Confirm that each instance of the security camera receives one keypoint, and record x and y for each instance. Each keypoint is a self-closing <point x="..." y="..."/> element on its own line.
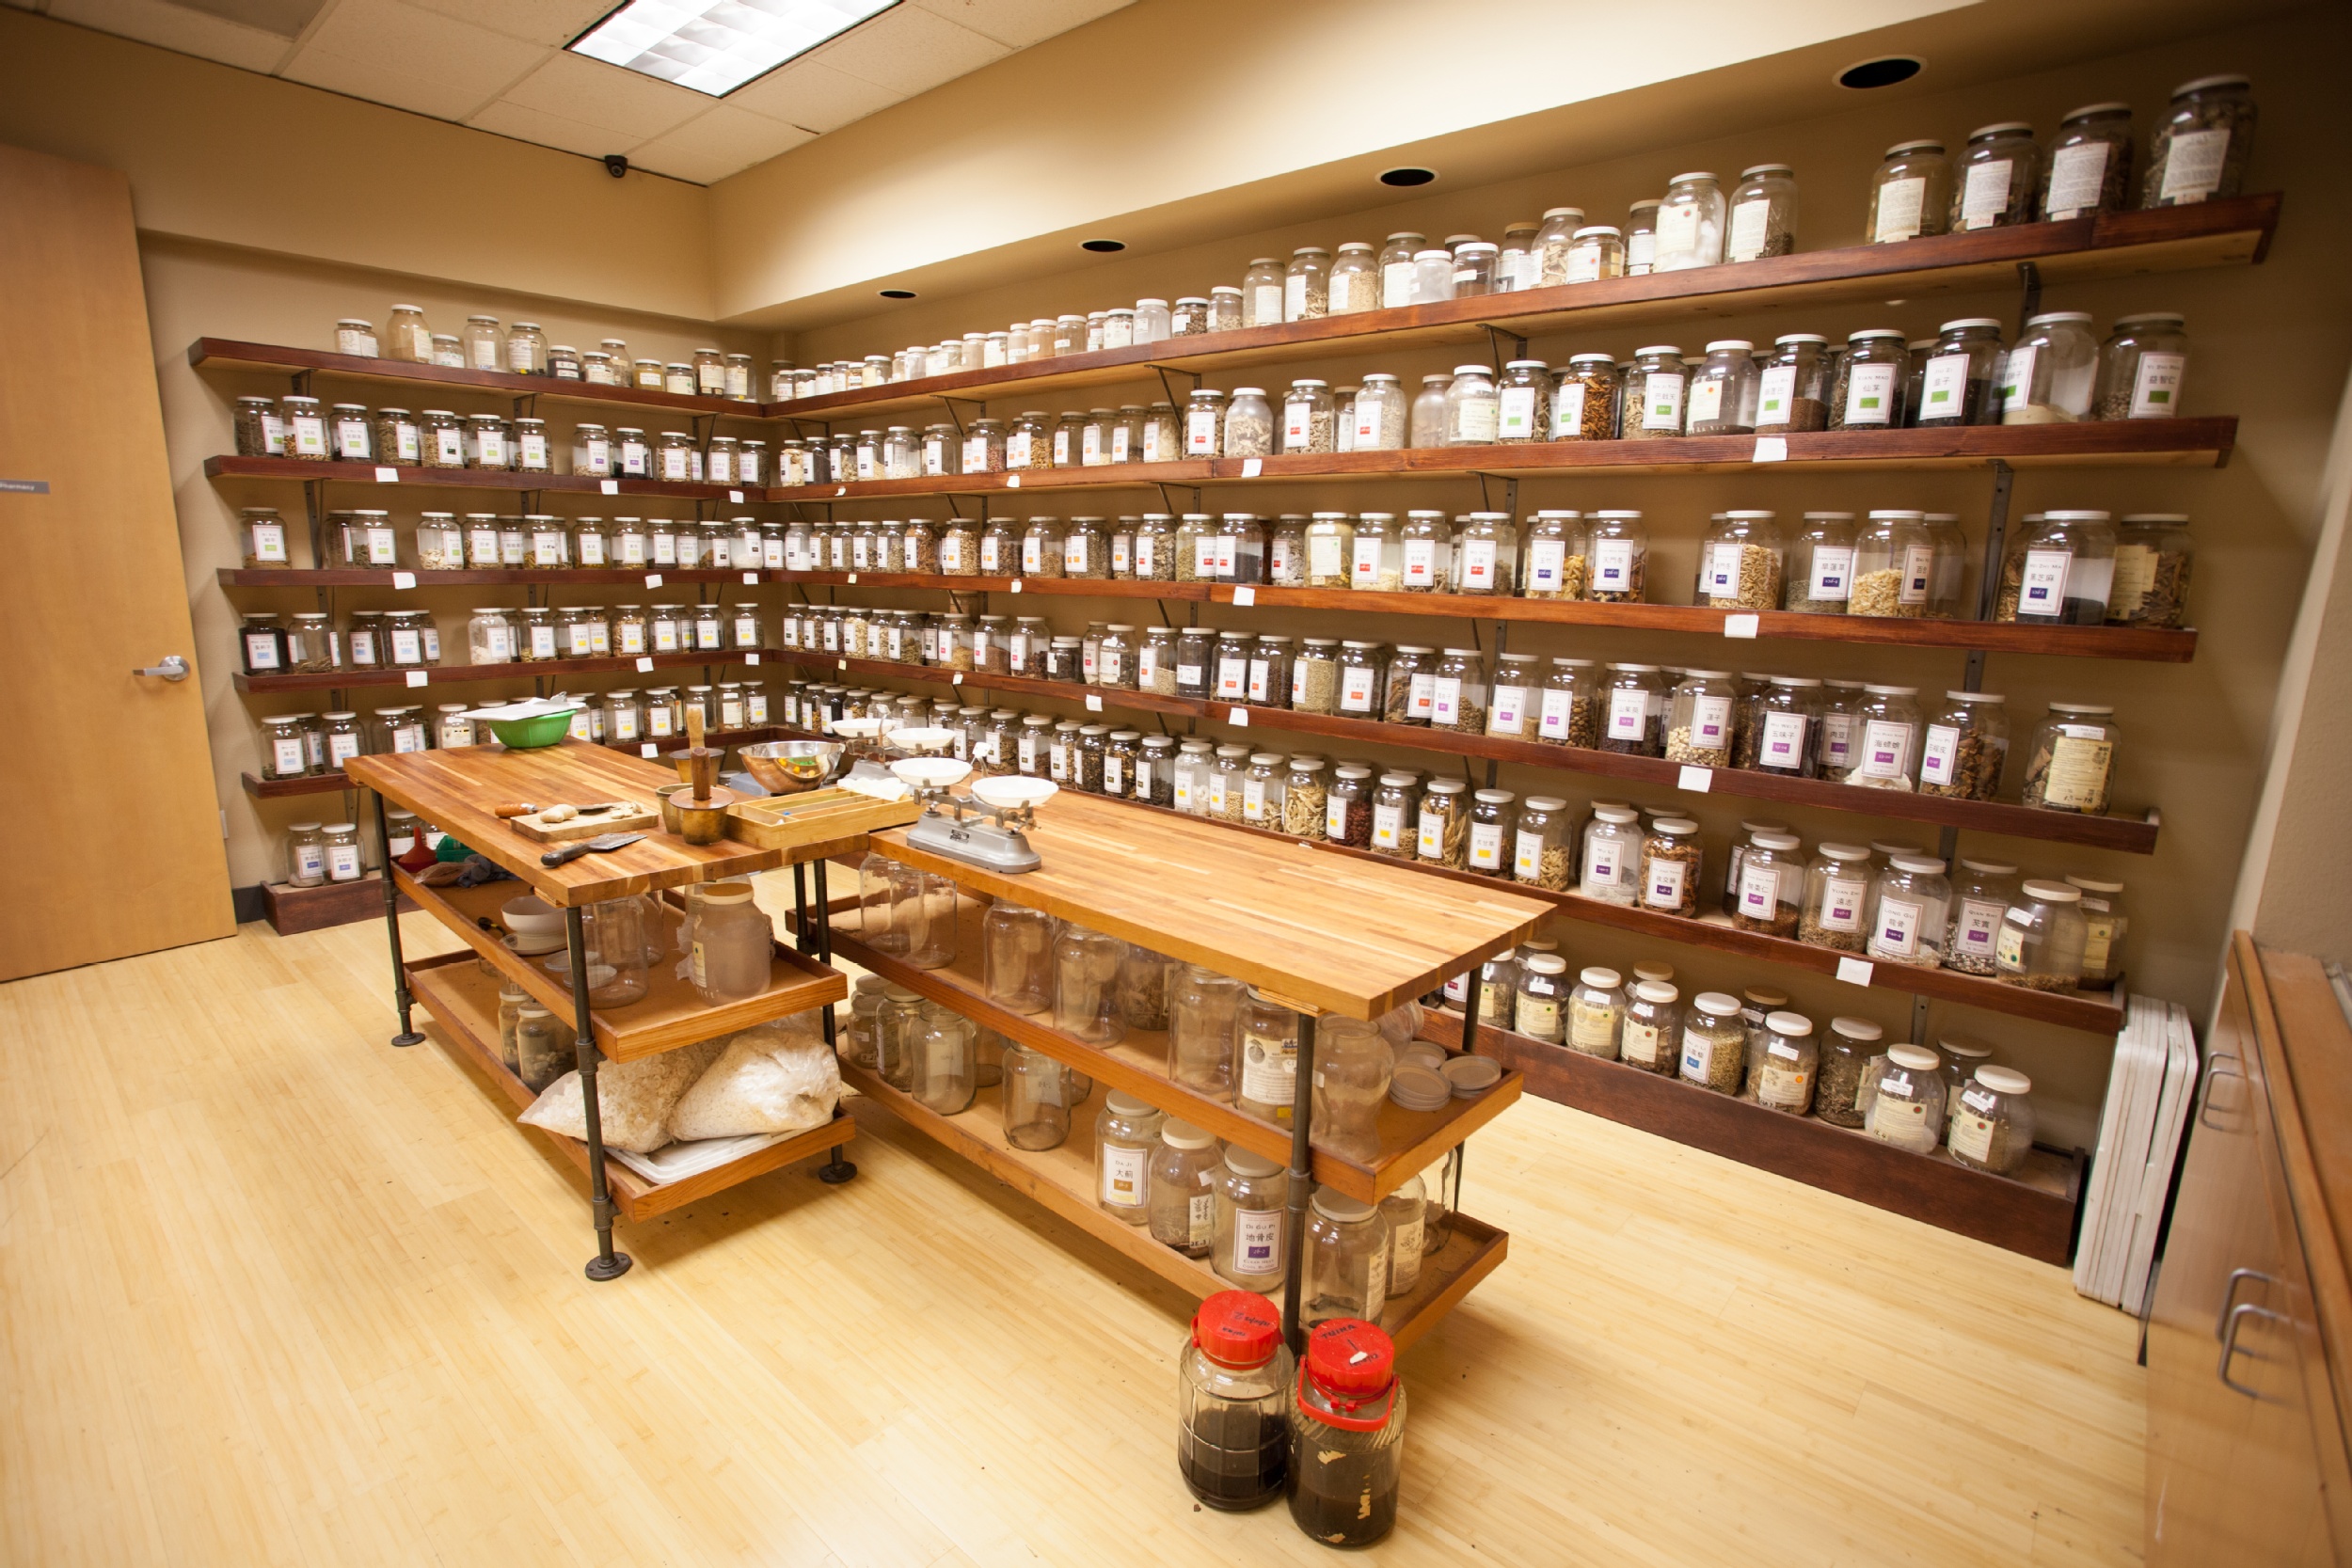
<point x="615" y="164"/>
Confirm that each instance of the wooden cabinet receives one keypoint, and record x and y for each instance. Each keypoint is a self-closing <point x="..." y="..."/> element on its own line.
<point x="2246" y="1347"/>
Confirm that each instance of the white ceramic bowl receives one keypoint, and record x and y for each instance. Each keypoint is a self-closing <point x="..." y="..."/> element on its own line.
<point x="1008" y="791"/>
<point x="931" y="772"/>
<point x="529" y="916"/>
<point x="929" y="740"/>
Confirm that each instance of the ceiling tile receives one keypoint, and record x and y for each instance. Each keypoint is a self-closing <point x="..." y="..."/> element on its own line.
<point x="632" y="107"/>
<point x="170" y="26"/>
<point x="553" y="23"/>
<point x="394" y="53"/>
<point x="1018" y="24"/>
<point x="812" y="95"/>
<point x="723" y="142"/>
<point x="908" y="49"/>
<point x="533" y="125"/>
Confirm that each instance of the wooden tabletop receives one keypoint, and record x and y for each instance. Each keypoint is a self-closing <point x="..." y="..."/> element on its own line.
<point x="457" y="789"/>
<point x="1332" y="932"/>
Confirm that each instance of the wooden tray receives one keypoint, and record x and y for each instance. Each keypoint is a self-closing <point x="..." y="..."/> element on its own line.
<point x="643" y="818"/>
<point x="820" y="821"/>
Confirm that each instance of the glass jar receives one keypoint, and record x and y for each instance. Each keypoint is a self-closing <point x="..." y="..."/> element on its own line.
<point x="1376" y="554"/>
<point x="1539" y="1008"/>
<point x="1617" y="544"/>
<point x="1472" y="407"/>
<point x="2199" y="149"/>
<point x="1398" y="269"/>
<point x="1395" y="816"/>
<point x="1035" y="1098"/>
<point x="1771" y="885"/>
<point x="1901" y="1099"/>
<point x="1017" y="956"/>
<point x="2049" y="375"/>
<point x="1515" y="703"/>
<point x="2149" y="586"/>
<point x="1910" y="903"/>
<point x="941" y="1060"/>
<point x="1699" y="718"/>
<point x="1584" y="400"/>
<point x="1522" y="403"/>
<point x="1998" y="178"/>
<point x="1265" y="1042"/>
<point x="1689" y="224"/>
<point x="1661" y="379"/>
<point x="2089" y="167"/>
<point x="1723" y="390"/>
<point x="1249" y="429"/>
<point x="1894" y="566"/>
<point x="1981" y="893"/>
<point x="2042" y="938"/>
<point x="1714" y="1045"/>
<point x="1086" y="985"/>
<point x="1867" y="390"/>
<point x="1345" y="1265"/>
<point x="1126" y="1134"/>
<point x="1596" y="1009"/>
<point x="1248" y="1246"/>
<point x="1910" y="192"/>
<point x="1885" y="739"/>
<point x="1548" y="251"/>
<point x="1442" y="825"/>
<point x="2141" y="366"/>
<point x="1783" y="1063"/>
<point x="1307" y="285"/>
<point x="1556" y="555"/>
<point x="1611" y="860"/>
<point x="1354" y="1063"/>
<point x="1965" y="746"/>
<point x="1539" y="853"/>
<point x="1262" y="784"/>
<point x="2059" y="571"/>
<point x="1634" y="700"/>
<point x="1671" y="867"/>
<point x="1960" y="385"/>
<point x="1492" y="816"/>
<point x="1763" y="217"/>
<point x="1458" y="696"/>
<point x="1740" y="563"/>
<point x="1821" y="566"/>
<point x="1794" y="385"/>
<point x="1426" y="420"/>
<point x="2105" y="927"/>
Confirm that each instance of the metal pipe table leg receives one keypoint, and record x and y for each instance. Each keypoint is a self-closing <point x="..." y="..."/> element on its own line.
<point x="607" y="1263"/>
<point x="835" y="1170"/>
<point x="409" y="1034"/>
<point x="1302" y="1178"/>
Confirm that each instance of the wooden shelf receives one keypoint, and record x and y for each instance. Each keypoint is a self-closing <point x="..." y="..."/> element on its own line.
<point x="2132" y="642"/>
<point x="670" y="1014"/>
<point x="466" y="674"/>
<point x="2130" y="443"/>
<point x="2109" y="244"/>
<point x="230" y="467"/>
<point x="292" y="910"/>
<point x="1410" y="1141"/>
<point x="279" y="790"/>
<point x="2129" y="835"/>
<point x="463" y="1003"/>
<point x="1063" y="1181"/>
<point x="362" y="577"/>
<point x="2033" y="1213"/>
<point x="230" y="354"/>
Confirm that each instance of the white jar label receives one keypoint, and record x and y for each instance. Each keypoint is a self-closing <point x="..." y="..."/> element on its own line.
<point x="1445" y="706"/>
<point x="1335" y="816"/>
<point x="1613" y="566"/>
<point x="1897" y="928"/>
<point x="1760" y="892"/>
<point x="1985" y="193"/>
<point x="2077" y="174"/>
<point x="1777" y="390"/>
<point x="1698" y="1056"/>
<point x="1430" y="840"/>
<point x="1919" y="574"/>
<point x="309" y="861"/>
<point x="1421" y="562"/>
<point x="1870" y="394"/>
<point x="268" y="542"/>
<point x="2192" y="165"/>
<point x="1677" y="229"/>
<point x="1486" y="847"/>
<point x="1297" y="426"/>
<point x="1506" y="710"/>
<point x="2156" y="386"/>
<point x="1199" y="1217"/>
<point x="342" y="863"/>
<point x="1707" y="400"/>
<point x="1977" y="925"/>
<point x="1232" y="679"/>
<point x="1971" y="1135"/>
<point x="290" y="757"/>
<point x="1515" y="419"/>
<point x="1257" y="1242"/>
<point x="1552" y="721"/>
<point x="1388" y="827"/>
<point x="1396" y="285"/>
<point x="1833" y="572"/>
<point x="1640" y="1042"/>
<point x="1357" y="683"/>
<point x="341" y="749"/>
<point x="1629" y="713"/>
<point x="2042" y="589"/>
<point x="1885" y="748"/>
<point x="1584" y="263"/>
<point x="1937" y="755"/>
<point x="1601" y="862"/>
<point x="449" y="449"/>
<point x="1123" y="1176"/>
<point x="1723" y="570"/>
<point x="1663" y="882"/>
<point x="1567" y="412"/>
<point x="1900" y="203"/>
<point x="306" y="436"/>
<point x="1421" y="697"/>
<point x="1266" y="303"/>
<point x="1545" y="558"/>
<point x="1527" y="857"/>
<point x="1711" y="723"/>
<point x="1782" y="743"/>
<point x="1841" y="903"/>
<point x="1661" y="400"/>
<point x="1366" y="571"/>
<point x="1944" y="390"/>
<point x="350" y="439"/>
<point x="2017" y="378"/>
<point x="1748" y="230"/>
<point x="1783" y="1088"/>
<point x="1837" y="739"/>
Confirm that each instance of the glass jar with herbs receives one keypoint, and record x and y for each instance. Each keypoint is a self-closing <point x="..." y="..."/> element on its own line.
<point x="1699" y="718"/>
<point x="2141" y="367"/>
<point x="2049" y="374"/>
<point x="1610" y="861"/>
<point x="1982" y="892"/>
<point x="2199" y="149"/>
<point x="1740" y="563"/>
<point x="1794" y="385"/>
<point x="1540" y="854"/>
<point x="1443" y="827"/>
<point x="1585" y="402"/>
<point x="1347" y="806"/>
<point x="1396" y="816"/>
<point x="2150" y="582"/>
<point x="1724" y="389"/>
<point x="1555" y="556"/>
<point x="1777" y="732"/>
<point x="1660" y="379"/>
<point x="1783" y="1065"/>
<point x="1596" y="1007"/>
<point x="2070" y="759"/>
<point x="1714" y="1050"/>
<point x="1867" y="390"/>
<point x="1910" y="903"/>
<point x="1965" y="746"/>
<point x="1821" y="566"/>
<point x="1960" y="385"/>
<point x="1845" y="1053"/>
<point x="1886" y="737"/>
<point x="1671" y="861"/>
<point x="1540" y="1005"/>
<point x="1910" y="192"/>
<point x="1618" y="543"/>
<point x="1763" y="217"/>
<point x="1459" y="697"/>
<point x="1901" y="1099"/>
<point x="1511" y="702"/>
<point x="1998" y="178"/>
<point x="1633" y="699"/>
<point x="1771" y="888"/>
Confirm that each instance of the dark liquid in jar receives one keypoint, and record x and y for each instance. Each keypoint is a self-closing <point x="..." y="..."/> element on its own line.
<point x="1234" y="1457"/>
<point x="1335" y="1503"/>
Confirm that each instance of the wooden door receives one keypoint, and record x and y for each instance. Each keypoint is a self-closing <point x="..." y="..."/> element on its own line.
<point x="113" y="842"/>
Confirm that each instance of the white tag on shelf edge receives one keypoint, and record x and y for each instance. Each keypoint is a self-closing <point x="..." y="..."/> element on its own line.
<point x="1013" y="482"/>
<point x="751" y="580"/>
<point x="1771" y="449"/>
<point x="1742" y="624"/>
<point x="735" y="497"/>
<point x="653" y="579"/>
<point x="1237" y="716"/>
<point x="1016" y="585"/>
<point x="1095" y="704"/>
<point x="611" y="486"/>
<point x="404" y="579"/>
<point x="387" y="476"/>
<point x="958" y="679"/>
<point x="1252" y="466"/>
<point x="852" y="577"/>
<point x="1699" y="779"/>
<point x="649" y="749"/>
<point x="1244" y="596"/>
<point x="841" y="664"/>
<point x="748" y="659"/>
<point x="839" y="490"/>
<point x="644" y="665"/>
<point x="417" y="677"/>
<point x="1854" y="972"/>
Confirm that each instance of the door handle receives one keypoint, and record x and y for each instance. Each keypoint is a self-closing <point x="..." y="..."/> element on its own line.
<point x="2204" y="1099"/>
<point x="171" y="667"/>
<point x="2228" y="1343"/>
<point x="2229" y="1296"/>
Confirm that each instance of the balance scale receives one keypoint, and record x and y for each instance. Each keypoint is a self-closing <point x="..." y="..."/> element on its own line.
<point x="997" y="842"/>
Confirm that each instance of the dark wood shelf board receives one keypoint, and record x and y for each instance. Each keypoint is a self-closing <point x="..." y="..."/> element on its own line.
<point x="279" y="790"/>
<point x="461" y="675"/>
<point x="2120" y="443"/>
<point x="2129" y="835"/>
<point x="2109" y="244"/>
<point x="230" y="354"/>
<point x="231" y="467"/>
<point x="2036" y="1216"/>
<point x="516" y="577"/>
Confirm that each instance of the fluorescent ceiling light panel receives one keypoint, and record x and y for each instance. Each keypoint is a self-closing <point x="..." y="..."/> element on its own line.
<point x="715" y="46"/>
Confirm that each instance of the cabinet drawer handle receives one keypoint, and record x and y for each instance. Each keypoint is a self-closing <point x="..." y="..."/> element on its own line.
<point x="2205" y="1100"/>
<point x="2228" y="1297"/>
<point x="2228" y="1343"/>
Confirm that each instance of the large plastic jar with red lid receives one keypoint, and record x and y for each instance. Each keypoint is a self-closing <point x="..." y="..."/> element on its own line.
<point x="1232" y="1388"/>
<point x="1347" y="1435"/>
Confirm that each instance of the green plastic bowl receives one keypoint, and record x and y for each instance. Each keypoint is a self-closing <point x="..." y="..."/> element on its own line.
<point x="523" y="735"/>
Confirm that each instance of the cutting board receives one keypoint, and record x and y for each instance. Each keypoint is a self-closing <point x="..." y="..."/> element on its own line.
<point x="637" y="819"/>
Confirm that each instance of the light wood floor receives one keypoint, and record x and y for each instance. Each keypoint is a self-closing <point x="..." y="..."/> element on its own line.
<point x="274" y="1292"/>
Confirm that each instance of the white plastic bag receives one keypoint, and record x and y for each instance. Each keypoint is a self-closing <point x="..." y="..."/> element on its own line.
<point x="776" y="1077"/>
<point x="633" y="1099"/>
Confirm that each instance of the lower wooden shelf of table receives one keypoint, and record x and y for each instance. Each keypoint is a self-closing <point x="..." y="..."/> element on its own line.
<point x="1063" y="1179"/>
<point x="292" y="910"/>
<point x="463" y="1003"/>
<point x="668" y="1016"/>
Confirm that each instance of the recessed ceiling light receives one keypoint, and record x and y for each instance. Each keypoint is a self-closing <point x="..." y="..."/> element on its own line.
<point x="897" y="294"/>
<point x="715" y="46"/>
<point x="1882" y="72"/>
<point x="1103" y="247"/>
<point x="1408" y="176"/>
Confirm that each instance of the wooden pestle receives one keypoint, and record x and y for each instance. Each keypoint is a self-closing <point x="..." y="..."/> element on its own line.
<point x="703" y="762"/>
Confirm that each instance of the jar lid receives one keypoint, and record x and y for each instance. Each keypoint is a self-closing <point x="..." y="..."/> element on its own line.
<point x="2175" y="519"/>
<point x="2052" y="892"/>
<point x="1796" y="680"/>
<point x="1236" y="1328"/>
<point x="1858" y="1029"/>
<point x="527" y="1010"/>
<point x="1989" y="869"/>
<point x="1616" y="813"/>
<point x="302" y="828"/>
<point x="1433" y="255"/>
<point x="1460" y="370"/>
<point x="2203" y="83"/>
<point x="1900" y="147"/>
<point x="1233" y="751"/>
<point x="1731" y="345"/>
<point x="1472" y="1076"/>
<point x="1918" y="866"/>
<point x="2113" y="106"/>
<point x="1966" y="1046"/>
<point x="1334" y="1204"/>
<point x="1418" y="1087"/>
<point x="2006" y="127"/>
<point x="1708" y="674"/>
<point x="1891" y="690"/>
<point x="1973" y="696"/>
<point x="2172" y="316"/>
<point x="1790" y="1025"/>
<point x="740" y="893"/>
<point x="1224" y="289"/>
<point x="1874" y="332"/>
<point x="2003" y="1080"/>
<point x="2088" y="885"/>
<point x="1652" y="969"/>
<point x="1717" y="1003"/>
<point x="1548" y="963"/>
<point x="1774" y="841"/>
<point x="1350" y="1357"/>
<point x="1482" y="246"/>
<point x="1918" y="1059"/>
<point x="1699" y="175"/>
<point x="1674" y="827"/>
<point x="1265" y="759"/>
<point x="1351" y="771"/>
<point x="1656" y="992"/>
<point x="1244" y="1161"/>
<point x="1755" y="169"/>
<point x="1121" y="1103"/>
<point x="1397" y="781"/>
<point x="2057" y="316"/>
<point x="1599" y="978"/>
<point x="1447" y="786"/>
<point x="1305" y="764"/>
<point x="2089" y="709"/>
<point x="1597" y="228"/>
<point x="1764" y="999"/>
<point x="1658" y="348"/>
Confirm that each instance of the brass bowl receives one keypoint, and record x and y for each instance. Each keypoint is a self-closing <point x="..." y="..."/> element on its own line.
<point x="793" y="766"/>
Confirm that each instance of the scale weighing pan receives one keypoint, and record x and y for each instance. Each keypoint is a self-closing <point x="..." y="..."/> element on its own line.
<point x="1013" y="791"/>
<point x="922" y="773"/>
<point x="927" y="739"/>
